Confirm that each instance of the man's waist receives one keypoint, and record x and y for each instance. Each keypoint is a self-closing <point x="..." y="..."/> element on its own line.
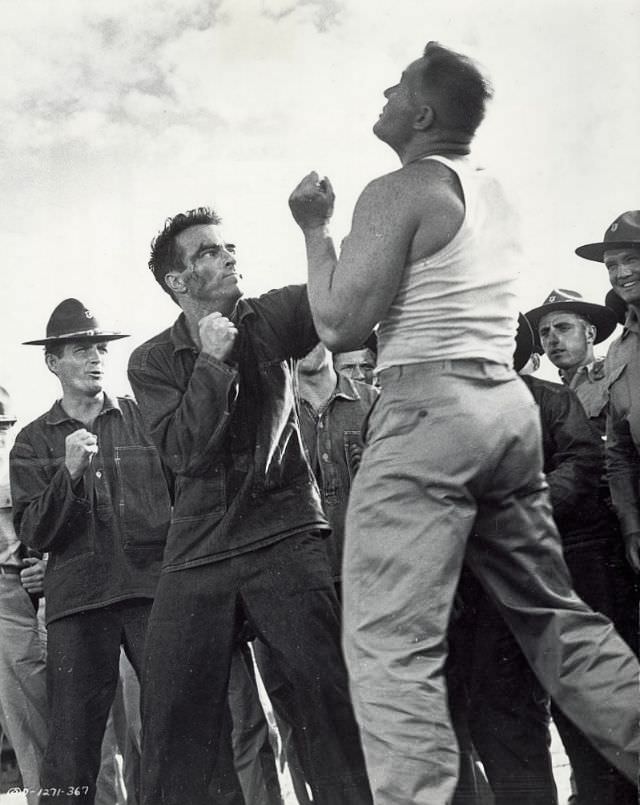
<point x="470" y="367"/>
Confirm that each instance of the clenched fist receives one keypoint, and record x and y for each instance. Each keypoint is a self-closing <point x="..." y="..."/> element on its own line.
<point x="217" y="335"/>
<point x="80" y="447"/>
<point x="311" y="203"/>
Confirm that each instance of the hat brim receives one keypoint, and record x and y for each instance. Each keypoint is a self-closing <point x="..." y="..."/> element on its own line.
<point x="94" y="337"/>
<point x="595" y="251"/>
<point x="603" y="318"/>
<point x="10" y="420"/>
<point x="524" y="343"/>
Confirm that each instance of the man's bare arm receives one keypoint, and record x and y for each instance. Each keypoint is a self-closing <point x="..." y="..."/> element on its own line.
<point x="398" y="218"/>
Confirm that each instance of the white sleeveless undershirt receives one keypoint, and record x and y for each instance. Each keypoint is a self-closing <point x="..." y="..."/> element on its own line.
<point x="461" y="302"/>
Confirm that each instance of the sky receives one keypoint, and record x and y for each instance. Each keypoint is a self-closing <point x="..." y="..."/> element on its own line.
<point x="117" y="115"/>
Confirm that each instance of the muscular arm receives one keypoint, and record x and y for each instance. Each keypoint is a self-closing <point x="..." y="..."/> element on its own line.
<point x="401" y="217"/>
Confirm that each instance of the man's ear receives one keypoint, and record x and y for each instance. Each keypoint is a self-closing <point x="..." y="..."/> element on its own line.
<point x="425" y="118"/>
<point x="175" y="282"/>
<point x="52" y="362"/>
<point x="591" y="332"/>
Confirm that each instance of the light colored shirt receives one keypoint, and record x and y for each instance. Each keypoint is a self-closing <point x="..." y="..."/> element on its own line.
<point x="461" y="302"/>
<point x="623" y="424"/>
<point x="9" y="543"/>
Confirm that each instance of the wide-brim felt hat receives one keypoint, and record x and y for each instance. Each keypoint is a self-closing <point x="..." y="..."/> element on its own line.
<point x="602" y="317"/>
<point x="623" y="233"/>
<point x="525" y="343"/>
<point x="72" y="321"/>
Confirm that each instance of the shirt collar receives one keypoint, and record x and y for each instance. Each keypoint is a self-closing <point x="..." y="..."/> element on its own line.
<point x="181" y="337"/>
<point x="631" y="324"/>
<point x="593" y="371"/>
<point x="57" y="414"/>
<point x="345" y="387"/>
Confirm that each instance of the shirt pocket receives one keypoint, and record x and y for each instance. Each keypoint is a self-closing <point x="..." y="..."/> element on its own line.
<point x="144" y="504"/>
<point x="200" y="497"/>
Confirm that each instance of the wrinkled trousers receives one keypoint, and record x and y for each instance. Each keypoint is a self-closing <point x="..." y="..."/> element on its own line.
<point x="455" y="447"/>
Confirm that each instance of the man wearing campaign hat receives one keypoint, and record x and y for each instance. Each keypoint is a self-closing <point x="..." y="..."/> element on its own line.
<point x="567" y="328"/>
<point x="619" y="250"/>
<point x="88" y="488"/>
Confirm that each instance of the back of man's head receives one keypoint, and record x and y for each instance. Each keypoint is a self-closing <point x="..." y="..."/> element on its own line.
<point x="164" y="256"/>
<point x="461" y="89"/>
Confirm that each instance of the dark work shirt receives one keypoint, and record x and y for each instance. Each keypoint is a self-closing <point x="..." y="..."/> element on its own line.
<point x="105" y="535"/>
<point x="229" y="431"/>
<point x="572" y="462"/>
<point x="333" y="441"/>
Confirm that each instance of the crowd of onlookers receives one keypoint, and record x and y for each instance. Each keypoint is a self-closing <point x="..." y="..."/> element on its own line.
<point x="421" y="554"/>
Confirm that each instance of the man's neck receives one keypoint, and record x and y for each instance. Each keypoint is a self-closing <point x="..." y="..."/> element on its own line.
<point x="444" y="144"/>
<point x="84" y="409"/>
<point x="317" y="388"/>
<point x="569" y="374"/>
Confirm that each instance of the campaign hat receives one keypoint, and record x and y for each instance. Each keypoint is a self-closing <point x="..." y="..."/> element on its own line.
<point x="73" y="321"/>
<point x="601" y="316"/>
<point x="525" y="343"/>
<point x="623" y="233"/>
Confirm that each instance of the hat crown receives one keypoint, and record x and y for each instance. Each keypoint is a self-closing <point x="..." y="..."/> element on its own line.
<point x="559" y="295"/>
<point x="626" y="227"/>
<point x="71" y="317"/>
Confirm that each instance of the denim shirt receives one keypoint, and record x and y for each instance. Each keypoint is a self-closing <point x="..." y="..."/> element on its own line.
<point x="229" y="431"/>
<point x="105" y="535"/>
<point x="333" y="441"/>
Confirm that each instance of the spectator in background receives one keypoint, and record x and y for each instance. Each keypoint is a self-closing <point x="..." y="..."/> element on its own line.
<point x="332" y="408"/>
<point x="23" y="690"/>
<point x="358" y="364"/>
<point x="89" y="489"/>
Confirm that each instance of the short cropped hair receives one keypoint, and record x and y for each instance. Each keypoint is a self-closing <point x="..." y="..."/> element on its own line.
<point x="462" y="88"/>
<point x="164" y="257"/>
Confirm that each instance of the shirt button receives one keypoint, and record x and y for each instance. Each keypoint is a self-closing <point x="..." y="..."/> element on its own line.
<point x="325" y="456"/>
<point x="321" y="425"/>
<point x="98" y="474"/>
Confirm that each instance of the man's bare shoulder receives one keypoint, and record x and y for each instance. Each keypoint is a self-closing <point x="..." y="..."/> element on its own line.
<point x="428" y="180"/>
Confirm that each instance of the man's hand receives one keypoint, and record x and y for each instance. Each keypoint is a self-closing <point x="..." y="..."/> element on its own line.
<point x="311" y="203"/>
<point x="632" y="546"/>
<point x="32" y="577"/>
<point x="217" y="335"/>
<point x="80" y="447"/>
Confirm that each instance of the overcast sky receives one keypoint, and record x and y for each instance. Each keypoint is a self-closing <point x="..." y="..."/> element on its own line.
<point x="118" y="114"/>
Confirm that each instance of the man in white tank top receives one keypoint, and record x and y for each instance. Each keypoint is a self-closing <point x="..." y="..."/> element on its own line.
<point x="453" y="464"/>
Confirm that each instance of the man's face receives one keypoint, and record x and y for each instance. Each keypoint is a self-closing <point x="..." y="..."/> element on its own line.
<point x="80" y="368"/>
<point x="356" y="365"/>
<point x="623" y="266"/>
<point x="210" y="273"/>
<point x="566" y="339"/>
<point x="395" y="124"/>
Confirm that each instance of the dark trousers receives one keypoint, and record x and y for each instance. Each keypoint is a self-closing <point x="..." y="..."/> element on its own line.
<point x="286" y="594"/>
<point x="602" y="578"/>
<point x="83" y="659"/>
<point x="496" y="700"/>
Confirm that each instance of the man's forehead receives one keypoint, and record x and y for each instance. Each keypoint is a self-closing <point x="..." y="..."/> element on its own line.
<point x="193" y="237"/>
<point x="354" y="358"/>
<point x="558" y="316"/>
<point x="616" y="254"/>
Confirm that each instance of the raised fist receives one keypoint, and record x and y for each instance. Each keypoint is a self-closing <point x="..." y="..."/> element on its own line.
<point x="80" y="447"/>
<point x="311" y="203"/>
<point x="217" y="335"/>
